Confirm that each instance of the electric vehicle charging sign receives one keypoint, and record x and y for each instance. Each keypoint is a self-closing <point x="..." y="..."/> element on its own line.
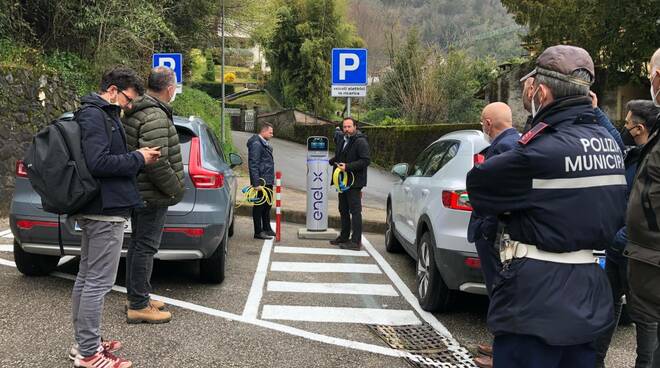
<point x="349" y="72"/>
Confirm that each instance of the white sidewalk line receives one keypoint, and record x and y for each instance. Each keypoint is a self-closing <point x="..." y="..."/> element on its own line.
<point x="332" y="288"/>
<point x="403" y="289"/>
<point x="322" y="267"/>
<point x="321" y="251"/>
<point x="6" y="247"/>
<point x="256" y="291"/>
<point x="388" y="317"/>
<point x="5" y="232"/>
<point x="5" y="262"/>
<point x="8" y="236"/>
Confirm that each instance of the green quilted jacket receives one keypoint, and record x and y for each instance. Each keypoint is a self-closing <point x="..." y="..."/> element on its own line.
<point x="149" y="124"/>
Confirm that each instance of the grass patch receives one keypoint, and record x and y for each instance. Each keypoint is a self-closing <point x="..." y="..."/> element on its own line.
<point x="263" y="100"/>
<point x="198" y="103"/>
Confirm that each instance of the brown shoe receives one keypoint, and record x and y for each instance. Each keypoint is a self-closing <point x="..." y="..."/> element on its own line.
<point x="484" y="361"/>
<point x="485" y="349"/>
<point x="147" y="315"/>
<point x="350" y="245"/>
<point x="154" y="303"/>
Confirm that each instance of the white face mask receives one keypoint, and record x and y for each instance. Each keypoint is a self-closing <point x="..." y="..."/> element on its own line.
<point x="534" y="109"/>
<point x="654" y="93"/>
<point x="173" y="97"/>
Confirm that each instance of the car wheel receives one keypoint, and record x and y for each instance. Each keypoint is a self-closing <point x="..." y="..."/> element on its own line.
<point x="33" y="264"/>
<point x="392" y="244"/>
<point x="212" y="269"/>
<point x="432" y="292"/>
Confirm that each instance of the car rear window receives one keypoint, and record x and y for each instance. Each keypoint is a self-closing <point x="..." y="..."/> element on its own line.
<point x="184" y="141"/>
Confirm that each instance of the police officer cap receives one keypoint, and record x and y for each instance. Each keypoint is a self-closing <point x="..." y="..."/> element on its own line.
<point x="562" y="60"/>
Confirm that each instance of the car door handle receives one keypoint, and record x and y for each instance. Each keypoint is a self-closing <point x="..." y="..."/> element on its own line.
<point x="425" y="192"/>
<point x="406" y="189"/>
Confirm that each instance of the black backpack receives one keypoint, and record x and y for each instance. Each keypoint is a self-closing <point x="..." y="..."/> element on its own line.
<point x="56" y="166"/>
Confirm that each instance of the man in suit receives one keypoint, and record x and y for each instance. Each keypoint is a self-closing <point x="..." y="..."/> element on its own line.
<point x="262" y="172"/>
<point x="351" y="157"/>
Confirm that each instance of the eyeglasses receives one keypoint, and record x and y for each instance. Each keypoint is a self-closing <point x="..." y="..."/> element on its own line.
<point x="130" y="100"/>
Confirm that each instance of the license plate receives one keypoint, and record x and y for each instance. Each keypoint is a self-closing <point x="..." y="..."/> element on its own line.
<point x="601" y="262"/>
<point x="127" y="227"/>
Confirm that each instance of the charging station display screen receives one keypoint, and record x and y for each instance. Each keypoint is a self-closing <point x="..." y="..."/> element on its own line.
<point x="317" y="144"/>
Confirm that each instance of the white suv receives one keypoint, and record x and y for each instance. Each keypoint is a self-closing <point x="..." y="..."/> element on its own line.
<point x="428" y="213"/>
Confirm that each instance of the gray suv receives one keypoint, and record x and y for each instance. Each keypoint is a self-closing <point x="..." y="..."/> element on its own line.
<point x="197" y="228"/>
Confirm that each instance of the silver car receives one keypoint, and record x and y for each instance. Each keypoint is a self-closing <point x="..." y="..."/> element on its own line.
<point x="428" y="213"/>
<point x="197" y="228"/>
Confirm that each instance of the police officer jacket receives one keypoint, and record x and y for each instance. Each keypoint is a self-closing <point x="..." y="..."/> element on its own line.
<point x="562" y="189"/>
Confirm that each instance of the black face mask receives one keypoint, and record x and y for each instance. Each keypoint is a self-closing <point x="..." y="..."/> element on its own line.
<point x="627" y="138"/>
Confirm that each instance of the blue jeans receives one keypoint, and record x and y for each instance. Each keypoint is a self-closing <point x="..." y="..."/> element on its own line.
<point x="147" y="224"/>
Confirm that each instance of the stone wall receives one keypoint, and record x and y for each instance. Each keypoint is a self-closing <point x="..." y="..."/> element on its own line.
<point x="29" y="100"/>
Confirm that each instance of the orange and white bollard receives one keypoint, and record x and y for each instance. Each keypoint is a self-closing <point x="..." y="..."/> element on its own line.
<point x="278" y="205"/>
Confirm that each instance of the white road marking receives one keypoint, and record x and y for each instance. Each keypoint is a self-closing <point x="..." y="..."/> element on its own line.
<point x="321" y="251"/>
<point x="403" y="289"/>
<point x="6" y="247"/>
<point x="5" y="232"/>
<point x="8" y="236"/>
<point x="256" y="291"/>
<point x="332" y="288"/>
<point x="322" y="267"/>
<point x="453" y="346"/>
<point x="340" y="315"/>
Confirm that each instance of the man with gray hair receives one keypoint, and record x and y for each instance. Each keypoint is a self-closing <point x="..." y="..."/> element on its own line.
<point x="149" y="124"/>
<point x="559" y="195"/>
<point x="643" y="224"/>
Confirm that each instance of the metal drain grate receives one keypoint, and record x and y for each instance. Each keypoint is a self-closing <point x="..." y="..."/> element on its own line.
<point x="426" y="347"/>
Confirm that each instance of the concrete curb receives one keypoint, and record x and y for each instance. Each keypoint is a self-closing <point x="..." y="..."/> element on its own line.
<point x="299" y="217"/>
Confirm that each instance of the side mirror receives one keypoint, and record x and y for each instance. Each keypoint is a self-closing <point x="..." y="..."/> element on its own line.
<point x="235" y="160"/>
<point x="400" y="170"/>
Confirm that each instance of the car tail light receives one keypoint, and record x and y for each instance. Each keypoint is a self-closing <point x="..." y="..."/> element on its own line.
<point x="21" y="171"/>
<point x="29" y="224"/>
<point x="201" y="177"/>
<point x="456" y="200"/>
<point x="479" y="159"/>
<point x="473" y="262"/>
<point x="193" y="232"/>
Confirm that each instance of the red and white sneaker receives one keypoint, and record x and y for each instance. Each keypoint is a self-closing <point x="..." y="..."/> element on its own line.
<point x="107" y="345"/>
<point x="102" y="359"/>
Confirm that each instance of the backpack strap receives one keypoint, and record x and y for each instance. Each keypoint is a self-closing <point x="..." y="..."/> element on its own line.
<point x="108" y="127"/>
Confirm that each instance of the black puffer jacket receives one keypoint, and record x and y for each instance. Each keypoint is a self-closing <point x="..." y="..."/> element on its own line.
<point x="356" y="157"/>
<point x="149" y="124"/>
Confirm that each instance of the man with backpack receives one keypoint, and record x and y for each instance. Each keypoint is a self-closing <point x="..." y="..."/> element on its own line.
<point x="148" y="123"/>
<point x="103" y="218"/>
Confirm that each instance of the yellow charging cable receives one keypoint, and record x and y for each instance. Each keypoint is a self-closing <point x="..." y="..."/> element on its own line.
<point x="340" y="180"/>
<point x="251" y="195"/>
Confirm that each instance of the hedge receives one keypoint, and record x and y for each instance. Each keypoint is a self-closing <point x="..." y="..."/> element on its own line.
<point x="213" y="89"/>
<point x="389" y="144"/>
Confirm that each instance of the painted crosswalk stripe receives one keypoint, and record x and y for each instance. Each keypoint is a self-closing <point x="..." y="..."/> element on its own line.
<point x="6" y="248"/>
<point x="331" y="288"/>
<point x="340" y="315"/>
<point x="320" y="267"/>
<point x="5" y="232"/>
<point x="8" y="236"/>
<point x="321" y="251"/>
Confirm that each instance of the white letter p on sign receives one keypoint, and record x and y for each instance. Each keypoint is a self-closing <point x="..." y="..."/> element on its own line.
<point x="343" y="67"/>
<point x="167" y="62"/>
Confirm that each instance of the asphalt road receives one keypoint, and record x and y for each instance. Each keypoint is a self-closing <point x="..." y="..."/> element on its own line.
<point x="252" y="319"/>
<point x="290" y="159"/>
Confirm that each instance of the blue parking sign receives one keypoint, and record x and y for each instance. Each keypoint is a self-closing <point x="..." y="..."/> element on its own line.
<point x="172" y="61"/>
<point x="349" y="67"/>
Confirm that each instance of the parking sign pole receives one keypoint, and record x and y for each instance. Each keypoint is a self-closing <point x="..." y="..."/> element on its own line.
<point x="348" y="106"/>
